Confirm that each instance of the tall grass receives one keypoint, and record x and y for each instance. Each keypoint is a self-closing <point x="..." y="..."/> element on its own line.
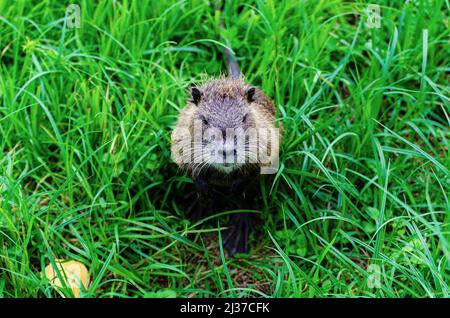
<point x="362" y="193"/>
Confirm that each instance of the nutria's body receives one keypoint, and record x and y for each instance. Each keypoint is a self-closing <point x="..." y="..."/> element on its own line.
<point x="224" y="103"/>
<point x="219" y="106"/>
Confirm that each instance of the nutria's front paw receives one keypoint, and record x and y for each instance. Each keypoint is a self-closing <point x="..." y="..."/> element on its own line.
<point x="196" y="211"/>
<point x="195" y="214"/>
<point x="235" y="239"/>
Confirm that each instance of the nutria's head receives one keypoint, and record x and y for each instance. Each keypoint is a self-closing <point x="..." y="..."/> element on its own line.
<point x="223" y="107"/>
<point x="223" y="110"/>
<point x="221" y="115"/>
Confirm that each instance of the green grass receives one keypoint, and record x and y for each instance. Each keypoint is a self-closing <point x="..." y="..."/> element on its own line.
<point x="86" y="173"/>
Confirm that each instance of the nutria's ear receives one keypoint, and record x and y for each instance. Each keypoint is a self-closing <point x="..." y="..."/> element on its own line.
<point x="250" y="93"/>
<point x="196" y="95"/>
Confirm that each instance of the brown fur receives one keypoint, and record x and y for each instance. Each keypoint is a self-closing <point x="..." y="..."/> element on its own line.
<point x="262" y="110"/>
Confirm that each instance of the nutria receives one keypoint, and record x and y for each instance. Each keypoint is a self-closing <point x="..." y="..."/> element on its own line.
<point x="217" y="140"/>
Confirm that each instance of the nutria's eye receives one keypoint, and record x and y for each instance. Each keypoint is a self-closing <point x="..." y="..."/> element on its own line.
<point x="196" y="95"/>
<point x="245" y="118"/>
<point x="250" y="94"/>
<point x="205" y="121"/>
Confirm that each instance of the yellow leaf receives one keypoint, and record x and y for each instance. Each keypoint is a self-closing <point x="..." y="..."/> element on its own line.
<point x="74" y="273"/>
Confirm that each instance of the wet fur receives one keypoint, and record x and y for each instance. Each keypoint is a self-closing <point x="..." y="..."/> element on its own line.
<point x="262" y="110"/>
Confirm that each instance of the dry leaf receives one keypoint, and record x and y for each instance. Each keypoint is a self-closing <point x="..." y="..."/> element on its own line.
<point x="74" y="273"/>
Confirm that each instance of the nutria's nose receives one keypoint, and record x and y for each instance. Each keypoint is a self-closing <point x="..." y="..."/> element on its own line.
<point x="229" y="153"/>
